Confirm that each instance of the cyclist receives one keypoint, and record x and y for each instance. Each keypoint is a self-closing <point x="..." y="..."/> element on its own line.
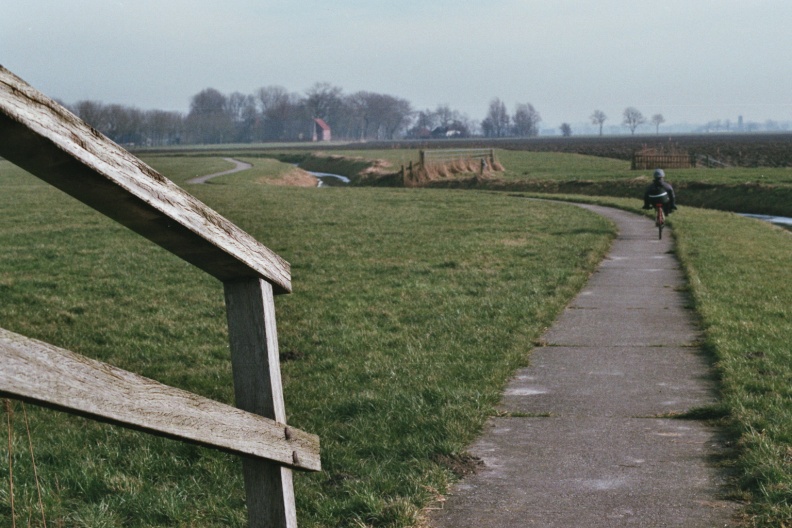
<point x="660" y="192"/>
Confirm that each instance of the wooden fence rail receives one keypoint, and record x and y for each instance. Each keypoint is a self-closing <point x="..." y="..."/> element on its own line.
<point x="646" y="161"/>
<point x="444" y="160"/>
<point x="50" y="142"/>
<point x="47" y="375"/>
<point x="446" y="155"/>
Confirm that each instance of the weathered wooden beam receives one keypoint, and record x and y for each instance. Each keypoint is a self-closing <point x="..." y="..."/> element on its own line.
<point x="42" y="137"/>
<point x="253" y="337"/>
<point x="44" y="374"/>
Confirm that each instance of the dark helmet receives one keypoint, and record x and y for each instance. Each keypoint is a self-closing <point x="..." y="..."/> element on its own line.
<point x="659" y="174"/>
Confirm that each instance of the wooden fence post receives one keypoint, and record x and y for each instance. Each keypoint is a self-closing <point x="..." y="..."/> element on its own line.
<point x="250" y="307"/>
<point x="47" y="140"/>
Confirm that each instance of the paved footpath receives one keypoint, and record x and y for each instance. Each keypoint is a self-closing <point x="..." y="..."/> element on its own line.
<point x="584" y="443"/>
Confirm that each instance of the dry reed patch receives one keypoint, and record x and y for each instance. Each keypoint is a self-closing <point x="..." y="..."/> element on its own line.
<point x="377" y="167"/>
<point x="455" y="168"/>
<point x="293" y="178"/>
<point x="640" y="179"/>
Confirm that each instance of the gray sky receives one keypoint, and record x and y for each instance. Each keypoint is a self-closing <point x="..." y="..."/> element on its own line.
<point x="690" y="60"/>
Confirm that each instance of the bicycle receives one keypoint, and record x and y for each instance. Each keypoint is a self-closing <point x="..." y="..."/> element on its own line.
<point x="659" y="220"/>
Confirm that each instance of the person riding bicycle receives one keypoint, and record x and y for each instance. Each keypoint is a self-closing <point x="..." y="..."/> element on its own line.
<point x="660" y="192"/>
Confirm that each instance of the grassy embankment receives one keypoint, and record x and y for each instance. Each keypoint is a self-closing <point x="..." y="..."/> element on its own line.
<point x="741" y="281"/>
<point x="749" y="190"/>
<point x="410" y="311"/>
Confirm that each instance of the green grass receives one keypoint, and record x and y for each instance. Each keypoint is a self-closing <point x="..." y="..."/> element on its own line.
<point x="188" y="167"/>
<point x="521" y="165"/>
<point x="559" y="166"/>
<point x="742" y="284"/>
<point x="740" y="279"/>
<point x="758" y="190"/>
<point x="411" y="309"/>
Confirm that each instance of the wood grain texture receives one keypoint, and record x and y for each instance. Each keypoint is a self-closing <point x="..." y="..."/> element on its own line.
<point x="253" y="337"/>
<point x="42" y="137"/>
<point x="58" y="378"/>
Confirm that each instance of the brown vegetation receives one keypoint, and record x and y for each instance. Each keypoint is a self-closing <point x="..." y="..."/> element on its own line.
<point x="293" y="178"/>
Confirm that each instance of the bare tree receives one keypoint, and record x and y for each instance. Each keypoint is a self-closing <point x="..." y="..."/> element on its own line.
<point x="324" y="101"/>
<point x="526" y="120"/>
<point x="209" y="120"/>
<point x="280" y="113"/>
<point x="124" y="124"/>
<point x="445" y="115"/>
<point x="566" y="129"/>
<point x="377" y="115"/>
<point x="163" y="127"/>
<point x="497" y="120"/>
<point x="242" y="109"/>
<point x="397" y="116"/>
<point x="598" y="118"/>
<point x="93" y="113"/>
<point x="425" y="122"/>
<point x="657" y="120"/>
<point x="633" y="119"/>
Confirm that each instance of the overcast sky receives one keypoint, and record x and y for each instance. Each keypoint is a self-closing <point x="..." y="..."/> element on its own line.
<point x="690" y="60"/>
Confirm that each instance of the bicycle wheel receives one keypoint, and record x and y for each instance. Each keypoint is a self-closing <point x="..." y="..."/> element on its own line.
<point x="660" y="222"/>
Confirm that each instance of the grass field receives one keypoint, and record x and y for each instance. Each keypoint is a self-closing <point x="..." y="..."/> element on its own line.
<point x="520" y="165"/>
<point x="411" y="308"/>
<point x="410" y="311"/>
<point x="760" y="190"/>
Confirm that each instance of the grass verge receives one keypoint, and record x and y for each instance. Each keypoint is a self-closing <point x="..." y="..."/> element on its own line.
<point x="411" y="310"/>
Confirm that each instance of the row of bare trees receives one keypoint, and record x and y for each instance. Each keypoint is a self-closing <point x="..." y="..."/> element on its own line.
<point x="498" y="123"/>
<point x="632" y="119"/>
<point x="272" y="113"/>
<point x="128" y="125"/>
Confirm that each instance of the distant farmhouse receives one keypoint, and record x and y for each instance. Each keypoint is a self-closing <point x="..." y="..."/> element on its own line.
<point x="321" y="130"/>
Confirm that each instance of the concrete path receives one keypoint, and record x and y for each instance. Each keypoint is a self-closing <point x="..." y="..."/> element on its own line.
<point x="238" y="167"/>
<point x="583" y="443"/>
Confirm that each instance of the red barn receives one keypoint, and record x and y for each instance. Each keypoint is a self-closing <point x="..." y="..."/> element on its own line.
<point x="321" y="130"/>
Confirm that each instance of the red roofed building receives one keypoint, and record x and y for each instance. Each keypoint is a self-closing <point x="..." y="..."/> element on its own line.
<point x="321" y="131"/>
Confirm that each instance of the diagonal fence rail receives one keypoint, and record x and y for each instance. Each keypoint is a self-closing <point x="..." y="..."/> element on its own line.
<point x="42" y="137"/>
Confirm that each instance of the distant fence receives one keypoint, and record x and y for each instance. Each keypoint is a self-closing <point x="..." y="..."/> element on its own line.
<point x="649" y="160"/>
<point x="441" y="156"/>
<point x="448" y="161"/>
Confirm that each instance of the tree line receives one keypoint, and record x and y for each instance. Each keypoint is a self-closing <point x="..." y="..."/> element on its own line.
<point x="273" y="114"/>
<point x="632" y="118"/>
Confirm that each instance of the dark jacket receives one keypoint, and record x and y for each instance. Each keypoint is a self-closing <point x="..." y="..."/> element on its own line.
<point x="660" y="192"/>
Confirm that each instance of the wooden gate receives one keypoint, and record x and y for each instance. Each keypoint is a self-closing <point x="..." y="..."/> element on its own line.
<point x="48" y="141"/>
